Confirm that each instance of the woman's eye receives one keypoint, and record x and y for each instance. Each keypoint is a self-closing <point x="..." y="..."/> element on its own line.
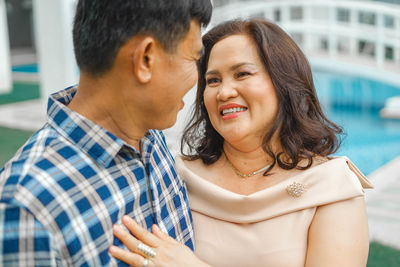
<point x="242" y="74"/>
<point x="212" y="81"/>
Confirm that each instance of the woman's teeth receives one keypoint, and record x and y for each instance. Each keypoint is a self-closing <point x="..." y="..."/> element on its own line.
<point x="232" y="110"/>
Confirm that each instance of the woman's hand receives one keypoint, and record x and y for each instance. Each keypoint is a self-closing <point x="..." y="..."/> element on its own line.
<point x="168" y="251"/>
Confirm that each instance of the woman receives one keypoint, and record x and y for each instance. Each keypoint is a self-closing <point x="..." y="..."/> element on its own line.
<point x="262" y="187"/>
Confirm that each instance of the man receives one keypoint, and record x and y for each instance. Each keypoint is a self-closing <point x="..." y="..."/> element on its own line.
<point x="96" y="158"/>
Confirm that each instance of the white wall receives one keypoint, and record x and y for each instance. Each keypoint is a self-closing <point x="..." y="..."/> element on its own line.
<point x="53" y="22"/>
<point x="5" y="67"/>
<point x="173" y="135"/>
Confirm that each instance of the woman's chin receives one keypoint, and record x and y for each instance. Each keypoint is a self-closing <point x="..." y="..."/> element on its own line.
<point x="234" y="139"/>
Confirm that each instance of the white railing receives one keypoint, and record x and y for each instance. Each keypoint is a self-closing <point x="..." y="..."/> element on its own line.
<point x="5" y="70"/>
<point x="53" y="22"/>
<point x="356" y="37"/>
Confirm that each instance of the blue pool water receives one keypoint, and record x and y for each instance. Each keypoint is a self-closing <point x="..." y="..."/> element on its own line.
<point x="354" y="104"/>
<point x="29" y="68"/>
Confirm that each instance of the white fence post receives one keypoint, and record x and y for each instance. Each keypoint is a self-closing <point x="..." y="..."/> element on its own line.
<point x="53" y="30"/>
<point x="5" y="66"/>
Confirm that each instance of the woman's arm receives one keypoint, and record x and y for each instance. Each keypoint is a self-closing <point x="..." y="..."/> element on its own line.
<point x="169" y="252"/>
<point x="338" y="235"/>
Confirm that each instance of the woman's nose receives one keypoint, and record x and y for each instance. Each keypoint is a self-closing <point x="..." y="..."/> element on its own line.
<point x="227" y="91"/>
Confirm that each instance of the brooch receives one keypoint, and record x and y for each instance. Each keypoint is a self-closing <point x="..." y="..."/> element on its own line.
<point x="295" y="189"/>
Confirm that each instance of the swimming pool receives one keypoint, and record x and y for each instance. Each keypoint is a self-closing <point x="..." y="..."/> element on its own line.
<point x="354" y="104"/>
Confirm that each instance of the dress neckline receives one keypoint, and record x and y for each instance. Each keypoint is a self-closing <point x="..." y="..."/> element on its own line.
<point x="217" y="187"/>
<point x="335" y="180"/>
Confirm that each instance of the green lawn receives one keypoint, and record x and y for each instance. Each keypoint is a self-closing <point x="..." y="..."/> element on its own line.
<point x="11" y="140"/>
<point x="21" y="91"/>
<point x="383" y="256"/>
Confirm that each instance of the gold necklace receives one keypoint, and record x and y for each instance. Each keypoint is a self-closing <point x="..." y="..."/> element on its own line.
<point x="243" y="175"/>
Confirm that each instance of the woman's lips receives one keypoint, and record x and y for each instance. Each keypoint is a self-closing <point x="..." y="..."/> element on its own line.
<point x="233" y="115"/>
<point x="230" y="111"/>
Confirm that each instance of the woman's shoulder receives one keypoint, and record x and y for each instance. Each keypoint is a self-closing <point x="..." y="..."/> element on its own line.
<point x="332" y="179"/>
<point x="341" y="166"/>
<point x="345" y="215"/>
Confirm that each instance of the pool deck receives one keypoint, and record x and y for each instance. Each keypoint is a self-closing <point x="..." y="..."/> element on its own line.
<point x="383" y="202"/>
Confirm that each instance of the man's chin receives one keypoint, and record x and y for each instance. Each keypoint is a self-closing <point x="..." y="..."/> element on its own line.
<point x="164" y="125"/>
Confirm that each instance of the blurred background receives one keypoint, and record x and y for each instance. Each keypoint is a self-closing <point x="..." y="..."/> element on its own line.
<point x="353" y="47"/>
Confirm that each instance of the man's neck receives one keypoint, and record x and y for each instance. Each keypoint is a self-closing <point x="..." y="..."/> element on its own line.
<point x="100" y="102"/>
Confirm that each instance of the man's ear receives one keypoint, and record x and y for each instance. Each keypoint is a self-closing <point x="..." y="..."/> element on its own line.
<point x="143" y="59"/>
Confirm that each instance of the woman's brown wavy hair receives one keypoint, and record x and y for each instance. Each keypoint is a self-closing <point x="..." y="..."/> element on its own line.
<point x="304" y="130"/>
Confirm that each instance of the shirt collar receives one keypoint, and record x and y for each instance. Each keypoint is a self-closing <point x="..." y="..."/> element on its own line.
<point x="90" y="137"/>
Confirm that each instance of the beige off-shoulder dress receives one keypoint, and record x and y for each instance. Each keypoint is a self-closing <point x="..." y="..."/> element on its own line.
<point x="269" y="227"/>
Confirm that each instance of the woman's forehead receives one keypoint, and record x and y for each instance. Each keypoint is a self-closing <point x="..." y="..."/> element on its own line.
<point x="233" y="50"/>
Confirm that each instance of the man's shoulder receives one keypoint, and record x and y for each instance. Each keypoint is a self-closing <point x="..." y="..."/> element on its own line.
<point x="35" y="159"/>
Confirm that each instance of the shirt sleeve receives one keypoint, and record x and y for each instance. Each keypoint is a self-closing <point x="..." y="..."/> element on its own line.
<point x="24" y="241"/>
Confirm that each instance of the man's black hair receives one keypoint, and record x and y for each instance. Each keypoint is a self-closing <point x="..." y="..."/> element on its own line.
<point x="101" y="27"/>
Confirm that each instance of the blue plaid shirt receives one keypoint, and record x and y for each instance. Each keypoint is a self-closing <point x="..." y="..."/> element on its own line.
<point x="65" y="188"/>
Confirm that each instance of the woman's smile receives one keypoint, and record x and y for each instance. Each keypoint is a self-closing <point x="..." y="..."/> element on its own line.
<point x="231" y="111"/>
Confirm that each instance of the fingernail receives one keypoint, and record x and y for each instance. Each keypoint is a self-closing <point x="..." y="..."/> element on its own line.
<point x="126" y="219"/>
<point x="112" y="249"/>
<point x="156" y="228"/>
<point x="117" y="228"/>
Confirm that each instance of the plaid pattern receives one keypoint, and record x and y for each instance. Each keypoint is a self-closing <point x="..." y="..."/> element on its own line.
<point x="65" y="188"/>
